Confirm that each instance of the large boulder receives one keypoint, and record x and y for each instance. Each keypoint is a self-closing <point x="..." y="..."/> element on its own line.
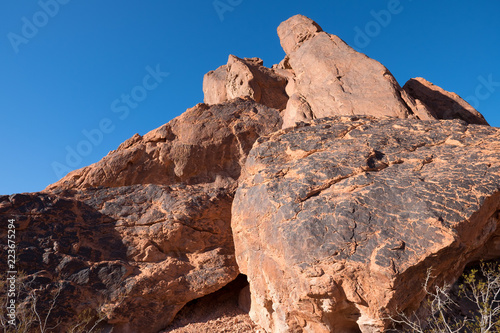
<point x="203" y="145"/>
<point x="336" y="222"/>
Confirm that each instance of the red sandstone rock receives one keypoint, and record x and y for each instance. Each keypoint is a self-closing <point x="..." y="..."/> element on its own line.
<point x="139" y="234"/>
<point x="214" y="86"/>
<point x="205" y="144"/>
<point x="135" y="254"/>
<point x="295" y="31"/>
<point x="441" y="103"/>
<point x="297" y="110"/>
<point x="334" y="78"/>
<point x="336" y="222"/>
<point x="245" y="78"/>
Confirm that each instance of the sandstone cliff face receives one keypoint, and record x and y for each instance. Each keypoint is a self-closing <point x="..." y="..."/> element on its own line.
<point x="335" y="223"/>
<point x="348" y="188"/>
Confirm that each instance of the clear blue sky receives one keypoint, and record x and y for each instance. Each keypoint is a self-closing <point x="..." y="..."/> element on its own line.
<point x="64" y="70"/>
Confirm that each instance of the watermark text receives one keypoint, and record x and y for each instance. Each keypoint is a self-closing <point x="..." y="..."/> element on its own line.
<point x="31" y="26"/>
<point x="223" y="6"/>
<point x="11" y="274"/>
<point x="483" y="91"/>
<point x="381" y="19"/>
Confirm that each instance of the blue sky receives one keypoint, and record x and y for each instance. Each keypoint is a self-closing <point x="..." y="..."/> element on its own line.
<point x="67" y="66"/>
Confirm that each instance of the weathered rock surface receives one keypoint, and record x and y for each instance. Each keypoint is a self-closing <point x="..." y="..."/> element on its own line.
<point x="336" y="223"/>
<point x="334" y="78"/>
<point x="441" y="103"/>
<point x="214" y="313"/>
<point x="203" y="145"/>
<point x="295" y="31"/>
<point x="297" y="110"/>
<point x="245" y="78"/>
<point x="214" y="86"/>
<point x="147" y="229"/>
<point x="136" y="254"/>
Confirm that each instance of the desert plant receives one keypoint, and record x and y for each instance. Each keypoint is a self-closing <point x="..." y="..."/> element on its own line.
<point x="481" y="288"/>
<point x="87" y="322"/>
<point x="474" y="308"/>
<point x="30" y="317"/>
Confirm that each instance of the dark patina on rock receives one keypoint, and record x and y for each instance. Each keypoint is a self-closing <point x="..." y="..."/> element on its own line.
<point x="145" y="230"/>
<point x="135" y="254"/>
<point x="337" y="221"/>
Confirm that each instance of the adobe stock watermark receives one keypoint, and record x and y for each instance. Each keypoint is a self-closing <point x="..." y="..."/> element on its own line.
<point x="30" y="27"/>
<point x="121" y="107"/>
<point x="223" y="6"/>
<point x="483" y="91"/>
<point x="11" y="275"/>
<point x="381" y="19"/>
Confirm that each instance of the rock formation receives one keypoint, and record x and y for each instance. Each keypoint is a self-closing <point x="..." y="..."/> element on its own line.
<point x="245" y="78"/>
<point x="334" y="78"/>
<point x="203" y="145"/>
<point x="442" y="104"/>
<point x="331" y="187"/>
<point x="336" y="223"/>
<point x="147" y="229"/>
<point x="136" y="254"/>
<point x="326" y="77"/>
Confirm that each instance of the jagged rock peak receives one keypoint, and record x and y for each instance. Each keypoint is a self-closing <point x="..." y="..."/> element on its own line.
<point x="322" y="76"/>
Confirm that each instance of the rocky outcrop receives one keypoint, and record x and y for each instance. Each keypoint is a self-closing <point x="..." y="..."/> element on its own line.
<point x="295" y="31"/>
<point x="334" y="78"/>
<point x="297" y="110"/>
<point x="441" y="103"/>
<point x="203" y="145"/>
<point x="134" y="254"/>
<point x="335" y="220"/>
<point x="336" y="223"/>
<point x="137" y="235"/>
<point x="245" y="78"/>
<point x="322" y="76"/>
<point x="214" y="86"/>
